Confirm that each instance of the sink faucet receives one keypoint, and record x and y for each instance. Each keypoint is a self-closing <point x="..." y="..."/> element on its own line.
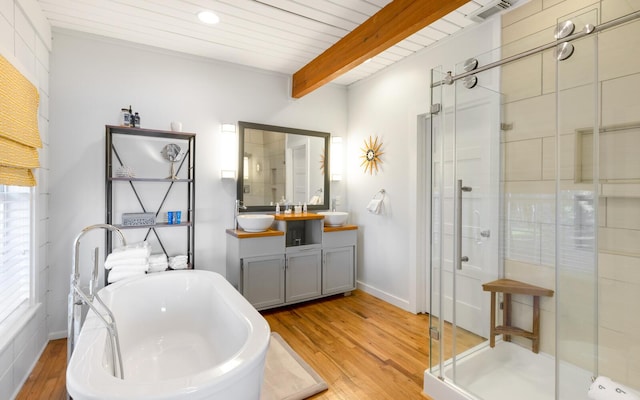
<point x="239" y="206"/>
<point x="333" y="204"/>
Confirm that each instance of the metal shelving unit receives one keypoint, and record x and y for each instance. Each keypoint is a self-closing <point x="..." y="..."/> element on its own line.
<point x="114" y="184"/>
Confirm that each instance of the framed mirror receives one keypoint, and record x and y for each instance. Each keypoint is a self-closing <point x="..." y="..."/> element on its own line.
<point x="282" y="165"/>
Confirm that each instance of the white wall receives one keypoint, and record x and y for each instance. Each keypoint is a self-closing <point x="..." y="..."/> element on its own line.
<point x="92" y="78"/>
<point x="387" y="105"/>
<point x="25" y="40"/>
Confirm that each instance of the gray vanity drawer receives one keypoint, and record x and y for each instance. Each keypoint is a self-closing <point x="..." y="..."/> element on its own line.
<point x="340" y="238"/>
<point x="261" y="246"/>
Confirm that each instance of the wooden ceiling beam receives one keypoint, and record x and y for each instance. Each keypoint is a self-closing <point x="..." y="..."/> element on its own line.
<point x="393" y="23"/>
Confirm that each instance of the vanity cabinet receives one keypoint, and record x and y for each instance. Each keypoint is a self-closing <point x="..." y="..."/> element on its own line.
<point x="298" y="259"/>
<point x="256" y="266"/>
<point x="303" y="274"/>
<point x="339" y="259"/>
<point x="263" y="280"/>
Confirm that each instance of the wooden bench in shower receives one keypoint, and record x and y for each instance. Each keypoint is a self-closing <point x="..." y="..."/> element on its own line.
<point x="509" y="287"/>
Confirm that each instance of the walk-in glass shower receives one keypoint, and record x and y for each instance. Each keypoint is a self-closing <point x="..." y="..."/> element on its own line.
<point x="536" y="179"/>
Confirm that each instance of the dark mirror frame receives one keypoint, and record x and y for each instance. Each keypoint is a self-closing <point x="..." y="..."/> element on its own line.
<point x="242" y="125"/>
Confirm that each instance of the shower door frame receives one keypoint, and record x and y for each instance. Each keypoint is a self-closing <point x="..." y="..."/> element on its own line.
<point x="478" y="226"/>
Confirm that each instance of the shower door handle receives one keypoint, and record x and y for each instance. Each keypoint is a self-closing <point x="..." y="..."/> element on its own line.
<point x="457" y="248"/>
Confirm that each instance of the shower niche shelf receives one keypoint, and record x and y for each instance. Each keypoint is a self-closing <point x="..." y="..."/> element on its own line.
<point x="151" y="184"/>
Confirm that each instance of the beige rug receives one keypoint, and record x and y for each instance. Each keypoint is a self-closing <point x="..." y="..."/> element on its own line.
<point x="286" y="375"/>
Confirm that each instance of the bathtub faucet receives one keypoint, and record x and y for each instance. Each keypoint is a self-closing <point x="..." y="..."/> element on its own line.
<point x="93" y="283"/>
<point x="78" y="297"/>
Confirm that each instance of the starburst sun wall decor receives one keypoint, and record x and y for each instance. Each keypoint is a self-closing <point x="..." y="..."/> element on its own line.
<point x="371" y="155"/>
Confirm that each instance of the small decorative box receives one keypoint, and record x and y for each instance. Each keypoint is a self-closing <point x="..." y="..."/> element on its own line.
<point x="138" y="219"/>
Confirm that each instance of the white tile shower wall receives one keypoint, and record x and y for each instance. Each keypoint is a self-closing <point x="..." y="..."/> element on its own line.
<point x="523" y="160"/>
<point x="531" y="117"/>
<point x="621" y="100"/>
<point x="26" y="37"/>
<point x="531" y="109"/>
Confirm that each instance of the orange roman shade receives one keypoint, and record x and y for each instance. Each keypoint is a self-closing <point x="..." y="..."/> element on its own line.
<point x="19" y="136"/>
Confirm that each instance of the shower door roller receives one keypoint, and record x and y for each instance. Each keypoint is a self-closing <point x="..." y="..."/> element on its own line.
<point x="459" y="259"/>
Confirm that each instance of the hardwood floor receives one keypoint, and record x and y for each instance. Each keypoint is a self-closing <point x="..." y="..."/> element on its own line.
<point x="47" y="380"/>
<point x="363" y="347"/>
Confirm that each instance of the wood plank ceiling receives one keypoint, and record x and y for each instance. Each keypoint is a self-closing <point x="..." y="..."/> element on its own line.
<point x="274" y="35"/>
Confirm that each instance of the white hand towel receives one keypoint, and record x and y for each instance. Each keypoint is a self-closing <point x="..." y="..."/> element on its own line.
<point x="374" y="206"/>
<point x="131" y="268"/>
<point x="132" y="246"/>
<point x="315" y="200"/>
<point x="157" y="268"/>
<point x="158" y="262"/>
<point x="121" y="253"/>
<point x="110" y="262"/>
<point x="604" y="388"/>
<point x="178" y="265"/>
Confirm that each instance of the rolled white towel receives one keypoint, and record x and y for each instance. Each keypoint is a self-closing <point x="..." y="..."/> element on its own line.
<point x="118" y="275"/>
<point x="604" y="388"/>
<point x="178" y="262"/>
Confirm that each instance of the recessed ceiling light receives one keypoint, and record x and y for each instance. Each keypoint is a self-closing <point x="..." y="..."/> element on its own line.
<point x="208" y="17"/>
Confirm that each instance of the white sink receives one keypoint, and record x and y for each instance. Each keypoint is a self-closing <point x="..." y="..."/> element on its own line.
<point x="334" y="218"/>
<point x="255" y="222"/>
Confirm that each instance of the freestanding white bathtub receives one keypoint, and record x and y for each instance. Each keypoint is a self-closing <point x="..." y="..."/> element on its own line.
<point x="183" y="335"/>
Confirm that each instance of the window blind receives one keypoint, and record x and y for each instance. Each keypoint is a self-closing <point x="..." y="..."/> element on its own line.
<point x="15" y="248"/>
<point x="19" y="136"/>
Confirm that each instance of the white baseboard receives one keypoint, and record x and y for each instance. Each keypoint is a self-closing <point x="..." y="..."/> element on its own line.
<point x="57" y="335"/>
<point x="389" y="298"/>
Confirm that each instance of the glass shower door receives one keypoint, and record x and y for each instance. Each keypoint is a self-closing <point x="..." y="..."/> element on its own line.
<point x="577" y="176"/>
<point x="465" y="217"/>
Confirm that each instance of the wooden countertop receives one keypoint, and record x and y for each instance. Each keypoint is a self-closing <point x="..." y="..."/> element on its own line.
<point x="240" y="234"/>
<point x="297" y="217"/>
<point x="340" y="228"/>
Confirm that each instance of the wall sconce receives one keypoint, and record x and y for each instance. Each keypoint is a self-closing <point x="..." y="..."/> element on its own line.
<point x="336" y="158"/>
<point x="245" y="167"/>
<point x="229" y="151"/>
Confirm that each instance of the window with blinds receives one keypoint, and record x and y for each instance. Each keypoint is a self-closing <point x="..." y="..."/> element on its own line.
<point x="15" y="248"/>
